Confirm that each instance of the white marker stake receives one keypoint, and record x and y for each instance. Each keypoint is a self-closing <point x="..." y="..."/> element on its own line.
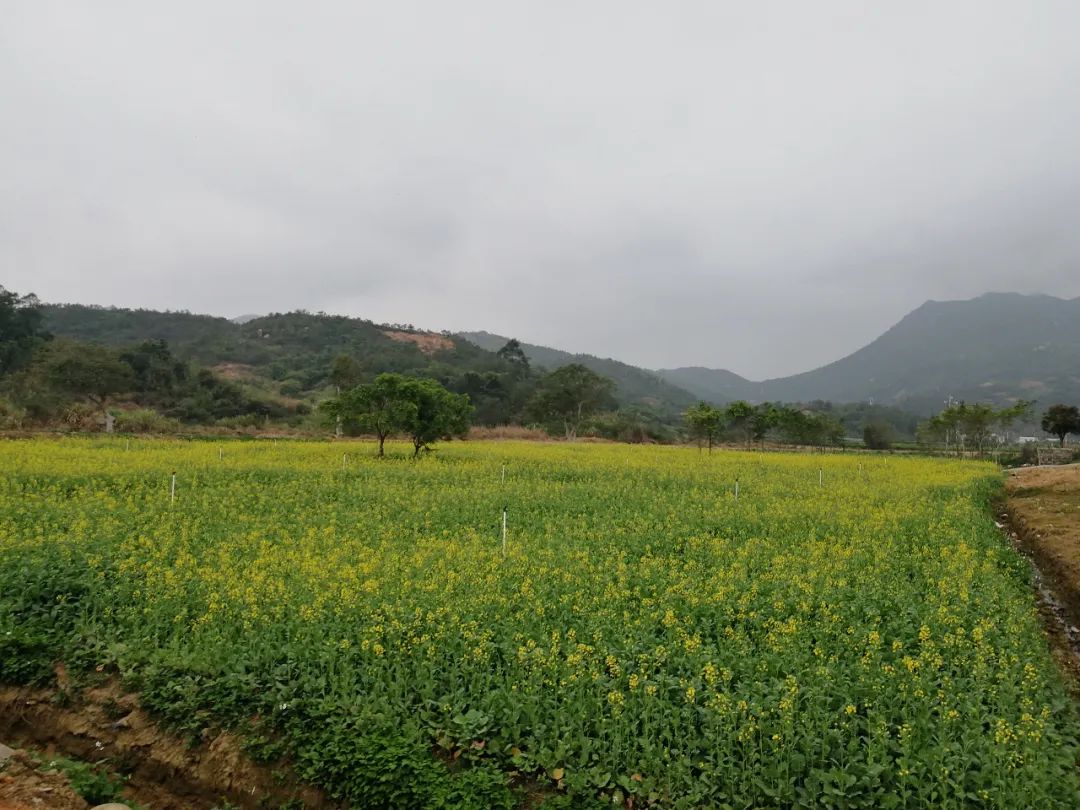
<point x="504" y="473"/>
<point x="736" y="489"/>
<point x="504" y="533"/>
<point x="344" y="456"/>
<point x="220" y="454"/>
<point x="820" y="477"/>
<point x="172" y="489"/>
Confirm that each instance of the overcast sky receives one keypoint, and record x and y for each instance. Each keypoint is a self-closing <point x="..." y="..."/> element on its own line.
<point x="749" y="185"/>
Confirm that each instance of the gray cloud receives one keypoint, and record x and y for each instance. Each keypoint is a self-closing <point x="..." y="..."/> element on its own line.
<point x="759" y="186"/>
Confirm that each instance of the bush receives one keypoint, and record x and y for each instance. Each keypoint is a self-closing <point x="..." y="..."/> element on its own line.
<point x="145" y="420"/>
<point x="11" y="416"/>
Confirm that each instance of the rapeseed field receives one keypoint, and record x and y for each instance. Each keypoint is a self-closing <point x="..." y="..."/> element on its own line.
<point x="850" y="631"/>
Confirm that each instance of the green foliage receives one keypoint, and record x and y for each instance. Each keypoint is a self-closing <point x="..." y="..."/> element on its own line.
<point x="146" y="420"/>
<point x="94" y="784"/>
<point x="21" y="330"/>
<point x="433" y="413"/>
<point x="420" y="408"/>
<point x="961" y="426"/>
<point x="877" y="436"/>
<point x="705" y="423"/>
<point x="86" y="371"/>
<point x="569" y="395"/>
<point x="645" y="636"/>
<point x="1061" y="420"/>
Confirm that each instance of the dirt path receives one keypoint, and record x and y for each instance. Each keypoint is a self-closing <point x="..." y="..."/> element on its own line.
<point x="1043" y="510"/>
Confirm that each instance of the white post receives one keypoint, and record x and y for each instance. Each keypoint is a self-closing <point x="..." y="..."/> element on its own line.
<point x="504" y="533"/>
<point x="344" y="457"/>
<point x="820" y="477"/>
<point x="220" y="454"/>
<point x="504" y="473"/>
<point x="736" y="487"/>
<point x="172" y="489"/>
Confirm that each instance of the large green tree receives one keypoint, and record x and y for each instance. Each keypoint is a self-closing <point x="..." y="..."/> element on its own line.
<point x="433" y="413"/>
<point x="1060" y="420"/>
<point x="380" y="407"/>
<point x="88" y="371"/>
<point x="705" y="423"/>
<point x="569" y="395"/>
<point x="21" y="332"/>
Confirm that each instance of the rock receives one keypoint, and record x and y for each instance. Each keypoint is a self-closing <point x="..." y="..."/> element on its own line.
<point x="110" y="806"/>
<point x="5" y="752"/>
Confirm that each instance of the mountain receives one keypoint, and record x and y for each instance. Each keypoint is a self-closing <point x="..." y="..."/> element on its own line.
<point x="710" y="384"/>
<point x="293" y="353"/>
<point x="998" y="347"/>
<point x="633" y="385"/>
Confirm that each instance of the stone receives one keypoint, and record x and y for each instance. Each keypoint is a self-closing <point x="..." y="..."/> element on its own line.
<point x="5" y="752"/>
<point x="110" y="806"/>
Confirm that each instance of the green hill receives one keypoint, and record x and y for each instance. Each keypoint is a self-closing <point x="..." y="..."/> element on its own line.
<point x="635" y="386"/>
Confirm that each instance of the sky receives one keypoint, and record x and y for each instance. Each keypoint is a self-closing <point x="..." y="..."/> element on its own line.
<point x="757" y="186"/>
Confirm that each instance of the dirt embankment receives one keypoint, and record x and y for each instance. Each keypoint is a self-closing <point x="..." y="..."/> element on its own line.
<point x="1043" y="510"/>
<point x="164" y="772"/>
<point x="25" y="786"/>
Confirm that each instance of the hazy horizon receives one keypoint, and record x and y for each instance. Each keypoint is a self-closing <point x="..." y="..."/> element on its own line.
<point x="763" y="188"/>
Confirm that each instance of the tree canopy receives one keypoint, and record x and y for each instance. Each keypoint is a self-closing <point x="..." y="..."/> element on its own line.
<point x="21" y="331"/>
<point x="422" y="409"/>
<point x="1060" y="420"/>
<point x="569" y="395"/>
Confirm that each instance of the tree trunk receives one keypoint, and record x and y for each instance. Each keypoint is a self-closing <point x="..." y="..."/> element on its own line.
<point x="382" y="440"/>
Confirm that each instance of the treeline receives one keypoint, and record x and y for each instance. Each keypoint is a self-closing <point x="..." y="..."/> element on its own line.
<point x="742" y="422"/>
<point x="964" y="427"/>
<point x="44" y="380"/>
<point x="276" y="369"/>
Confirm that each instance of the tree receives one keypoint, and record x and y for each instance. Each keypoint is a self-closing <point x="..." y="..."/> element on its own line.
<point x="1061" y="420"/>
<point x="381" y="407"/>
<point x="706" y="423"/>
<point x="21" y="332"/>
<point x="738" y="415"/>
<point x="763" y="419"/>
<point x="433" y="413"/>
<point x="88" y="371"/>
<point x="877" y="436"/>
<point x="570" y="394"/>
<point x="513" y="354"/>
<point x="345" y="373"/>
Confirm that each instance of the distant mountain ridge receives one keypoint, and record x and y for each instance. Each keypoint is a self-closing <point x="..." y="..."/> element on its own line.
<point x="998" y="347"/>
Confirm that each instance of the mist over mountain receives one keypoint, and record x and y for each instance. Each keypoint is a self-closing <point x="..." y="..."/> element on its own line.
<point x="998" y="347"/>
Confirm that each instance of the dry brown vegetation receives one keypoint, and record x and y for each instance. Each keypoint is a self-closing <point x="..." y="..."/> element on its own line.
<point x="427" y="342"/>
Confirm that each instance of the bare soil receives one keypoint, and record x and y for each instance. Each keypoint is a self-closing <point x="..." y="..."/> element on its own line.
<point x="427" y="342"/>
<point x="164" y="772"/>
<point x="1043" y="511"/>
<point x="24" y="787"/>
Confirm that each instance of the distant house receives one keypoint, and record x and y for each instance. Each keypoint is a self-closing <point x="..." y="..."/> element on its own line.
<point x="1026" y="440"/>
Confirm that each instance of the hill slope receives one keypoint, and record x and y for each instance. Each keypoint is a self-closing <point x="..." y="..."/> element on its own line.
<point x="998" y="347"/>
<point x="298" y="348"/>
<point x="634" y="385"/>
